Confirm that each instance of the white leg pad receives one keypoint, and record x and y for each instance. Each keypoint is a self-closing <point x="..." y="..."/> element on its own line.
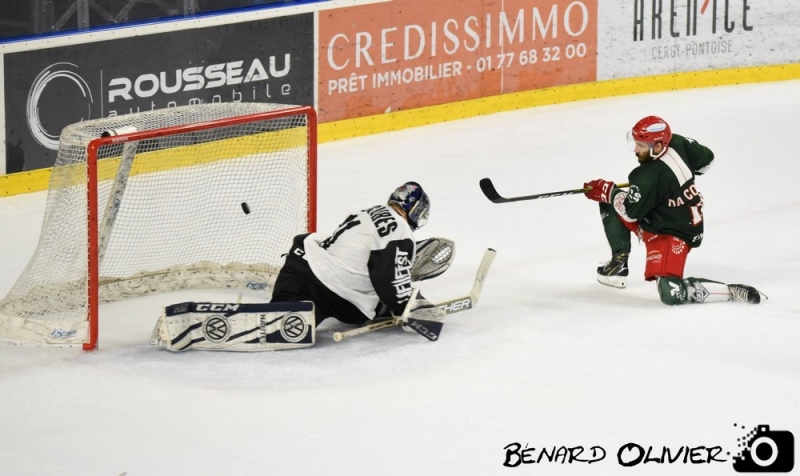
<point x="235" y="327"/>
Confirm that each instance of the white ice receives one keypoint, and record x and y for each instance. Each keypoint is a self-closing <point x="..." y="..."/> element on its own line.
<point x="549" y="357"/>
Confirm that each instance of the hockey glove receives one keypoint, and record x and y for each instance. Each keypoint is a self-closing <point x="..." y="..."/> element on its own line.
<point x="423" y="318"/>
<point x="600" y="190"/>
<point x="434" y="256"/>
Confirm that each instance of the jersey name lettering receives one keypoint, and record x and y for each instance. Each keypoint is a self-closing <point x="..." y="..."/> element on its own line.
<point x="383" y="220"/>
<point x="692" y="196"/>
<point x="690" y="193"/>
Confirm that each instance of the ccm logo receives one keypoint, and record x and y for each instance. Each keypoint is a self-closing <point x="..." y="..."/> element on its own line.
<point x="216" y="307"/>
<point x="457" y="306"/>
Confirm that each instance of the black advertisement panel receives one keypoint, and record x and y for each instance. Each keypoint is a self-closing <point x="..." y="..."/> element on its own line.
<point x="261" y="61"/>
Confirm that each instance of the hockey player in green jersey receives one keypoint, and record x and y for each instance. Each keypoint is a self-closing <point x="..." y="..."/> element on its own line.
<point x="665" y="209"/>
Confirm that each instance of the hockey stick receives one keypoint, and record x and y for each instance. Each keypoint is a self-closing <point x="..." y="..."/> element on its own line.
<point x="383" y="324"/>
<point x="451" y="306"/>
<point x="491" y="193"/>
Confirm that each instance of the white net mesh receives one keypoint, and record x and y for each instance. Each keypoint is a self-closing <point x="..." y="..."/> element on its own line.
<point x="170" y="213"/>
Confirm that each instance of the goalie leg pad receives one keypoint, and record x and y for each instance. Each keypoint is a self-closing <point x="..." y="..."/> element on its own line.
<point x="235" y="327"/>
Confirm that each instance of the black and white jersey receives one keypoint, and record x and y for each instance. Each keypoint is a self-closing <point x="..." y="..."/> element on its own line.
<point x="367" y="260"/>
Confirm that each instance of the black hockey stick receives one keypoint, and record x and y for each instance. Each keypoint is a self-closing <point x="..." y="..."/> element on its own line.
<point x="491" y="193"/>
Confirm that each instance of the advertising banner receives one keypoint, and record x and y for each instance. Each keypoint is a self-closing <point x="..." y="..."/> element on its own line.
<point x="47" y="89"/>
<point x="406" y="54"/>
<point x="650" y="37"/>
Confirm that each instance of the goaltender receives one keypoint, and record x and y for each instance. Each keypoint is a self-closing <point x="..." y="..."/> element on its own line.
<point x="365" y="269"/>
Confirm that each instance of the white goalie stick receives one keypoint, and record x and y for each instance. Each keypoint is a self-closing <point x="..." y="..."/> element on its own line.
<point x="451" y="306"/>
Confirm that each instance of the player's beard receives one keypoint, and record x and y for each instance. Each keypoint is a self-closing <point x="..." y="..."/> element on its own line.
<point x="643" y="156"/>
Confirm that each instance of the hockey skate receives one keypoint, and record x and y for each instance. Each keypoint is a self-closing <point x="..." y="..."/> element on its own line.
<point x="744" y="293"/>
<point x="614" y="272"/>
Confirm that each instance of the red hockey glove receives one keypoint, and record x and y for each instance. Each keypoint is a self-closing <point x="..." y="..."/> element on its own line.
<point x="601" y="190"/>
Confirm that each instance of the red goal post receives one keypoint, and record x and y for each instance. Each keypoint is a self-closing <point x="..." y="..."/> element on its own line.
<point x="204" y="196"/>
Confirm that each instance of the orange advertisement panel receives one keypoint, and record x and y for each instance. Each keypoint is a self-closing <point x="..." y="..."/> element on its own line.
<point x="406" y="54"/>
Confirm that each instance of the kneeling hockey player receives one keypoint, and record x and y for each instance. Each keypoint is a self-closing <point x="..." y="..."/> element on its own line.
<point x="665" y="209"/>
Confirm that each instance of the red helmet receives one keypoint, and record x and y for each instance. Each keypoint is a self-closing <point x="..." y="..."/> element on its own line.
<point x="652" y="129"/>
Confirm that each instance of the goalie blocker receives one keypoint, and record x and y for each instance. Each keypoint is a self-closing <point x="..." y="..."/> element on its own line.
<point x="235" y="327"/>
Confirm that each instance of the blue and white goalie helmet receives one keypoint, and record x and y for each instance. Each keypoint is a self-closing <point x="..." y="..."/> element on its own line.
<point x="414" y="201"/>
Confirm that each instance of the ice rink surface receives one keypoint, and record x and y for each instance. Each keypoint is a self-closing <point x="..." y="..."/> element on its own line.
<point x="548" y="359"/>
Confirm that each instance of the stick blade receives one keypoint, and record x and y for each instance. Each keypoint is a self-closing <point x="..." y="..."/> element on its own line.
<point x="430" y="330"/>
<point x="487" y="187"/>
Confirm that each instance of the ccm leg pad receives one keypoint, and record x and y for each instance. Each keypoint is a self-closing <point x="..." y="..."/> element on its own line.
<point x="235" y="327"/>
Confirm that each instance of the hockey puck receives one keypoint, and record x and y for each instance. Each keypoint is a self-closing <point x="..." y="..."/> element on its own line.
<point x="245" y="208"/>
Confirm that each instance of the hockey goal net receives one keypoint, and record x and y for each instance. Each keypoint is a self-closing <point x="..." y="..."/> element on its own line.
<point x="203" y="196"/>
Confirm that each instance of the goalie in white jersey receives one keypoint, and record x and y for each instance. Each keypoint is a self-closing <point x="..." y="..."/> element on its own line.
<point x="362" y="269"/>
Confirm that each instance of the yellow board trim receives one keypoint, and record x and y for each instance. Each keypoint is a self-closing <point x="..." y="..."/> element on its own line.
<point x="37" y="180"/>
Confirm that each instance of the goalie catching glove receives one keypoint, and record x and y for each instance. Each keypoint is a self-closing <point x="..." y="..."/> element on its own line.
<point x="434" y="256"/>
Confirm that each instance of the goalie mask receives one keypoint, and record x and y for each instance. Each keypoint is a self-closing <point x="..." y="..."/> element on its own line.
<point x="414" y="201"/>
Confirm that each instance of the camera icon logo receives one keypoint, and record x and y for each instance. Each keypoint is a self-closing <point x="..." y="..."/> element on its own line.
<point x="765" y="451"/>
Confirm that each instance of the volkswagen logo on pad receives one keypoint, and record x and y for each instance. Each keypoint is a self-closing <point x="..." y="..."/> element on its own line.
<point x="216" y="329"/>
<point x="294" y="328"/>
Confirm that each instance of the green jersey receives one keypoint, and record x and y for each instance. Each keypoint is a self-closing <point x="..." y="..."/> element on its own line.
<point x="663" y="196"/>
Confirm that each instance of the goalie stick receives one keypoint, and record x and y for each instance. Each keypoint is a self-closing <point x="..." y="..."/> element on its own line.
<point x="491" y="193"/>
<point x="451" y="306"/>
